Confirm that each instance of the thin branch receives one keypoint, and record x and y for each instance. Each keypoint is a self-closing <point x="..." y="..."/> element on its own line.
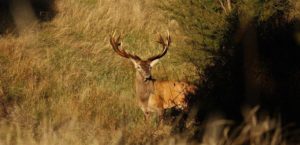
<point x="229" y="5"/>
<point x="222" y="5"/>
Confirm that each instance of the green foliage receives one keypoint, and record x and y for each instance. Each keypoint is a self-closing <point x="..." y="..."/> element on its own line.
<point x="208" y="25"/>
<point x="203" y="21"/>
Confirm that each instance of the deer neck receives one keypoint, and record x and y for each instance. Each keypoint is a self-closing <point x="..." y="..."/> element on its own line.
<point x="143" y="88"/>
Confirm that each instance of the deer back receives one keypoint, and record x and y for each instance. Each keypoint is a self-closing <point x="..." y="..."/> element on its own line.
<point x="172" y="94"/>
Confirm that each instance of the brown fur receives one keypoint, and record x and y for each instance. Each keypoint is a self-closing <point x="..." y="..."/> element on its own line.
<point x="155" y="96"/>
<point x="171" y="94"/>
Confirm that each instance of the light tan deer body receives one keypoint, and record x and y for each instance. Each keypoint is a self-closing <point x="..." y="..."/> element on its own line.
<point x="172" y="94"/>
<point x="154" y="95"/>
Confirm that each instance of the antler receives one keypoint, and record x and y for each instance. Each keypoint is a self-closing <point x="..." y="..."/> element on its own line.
<point x="115" y="43"/>
<point x="165" y="47"/>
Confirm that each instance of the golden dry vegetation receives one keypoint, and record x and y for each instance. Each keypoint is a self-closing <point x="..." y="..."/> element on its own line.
<point x="62" y="84"/>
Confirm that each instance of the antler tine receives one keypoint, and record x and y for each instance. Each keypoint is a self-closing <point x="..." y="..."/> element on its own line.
<point x="115" y="43"/>
<point x="165" y="47"/>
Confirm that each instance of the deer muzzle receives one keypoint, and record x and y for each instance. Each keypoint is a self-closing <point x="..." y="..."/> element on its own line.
<point x="148" y="78"/>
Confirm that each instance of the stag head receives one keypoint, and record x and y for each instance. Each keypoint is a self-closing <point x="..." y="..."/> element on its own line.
<point x="141" y="66"/>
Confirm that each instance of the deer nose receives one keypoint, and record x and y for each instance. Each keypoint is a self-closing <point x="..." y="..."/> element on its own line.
<point x="149" y="77"/>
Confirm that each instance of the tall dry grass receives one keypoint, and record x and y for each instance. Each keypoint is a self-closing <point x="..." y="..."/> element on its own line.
<point x="63" y="84"/>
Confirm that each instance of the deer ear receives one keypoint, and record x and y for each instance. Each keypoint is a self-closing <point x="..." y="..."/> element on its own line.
<point x="154" y="62"/>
